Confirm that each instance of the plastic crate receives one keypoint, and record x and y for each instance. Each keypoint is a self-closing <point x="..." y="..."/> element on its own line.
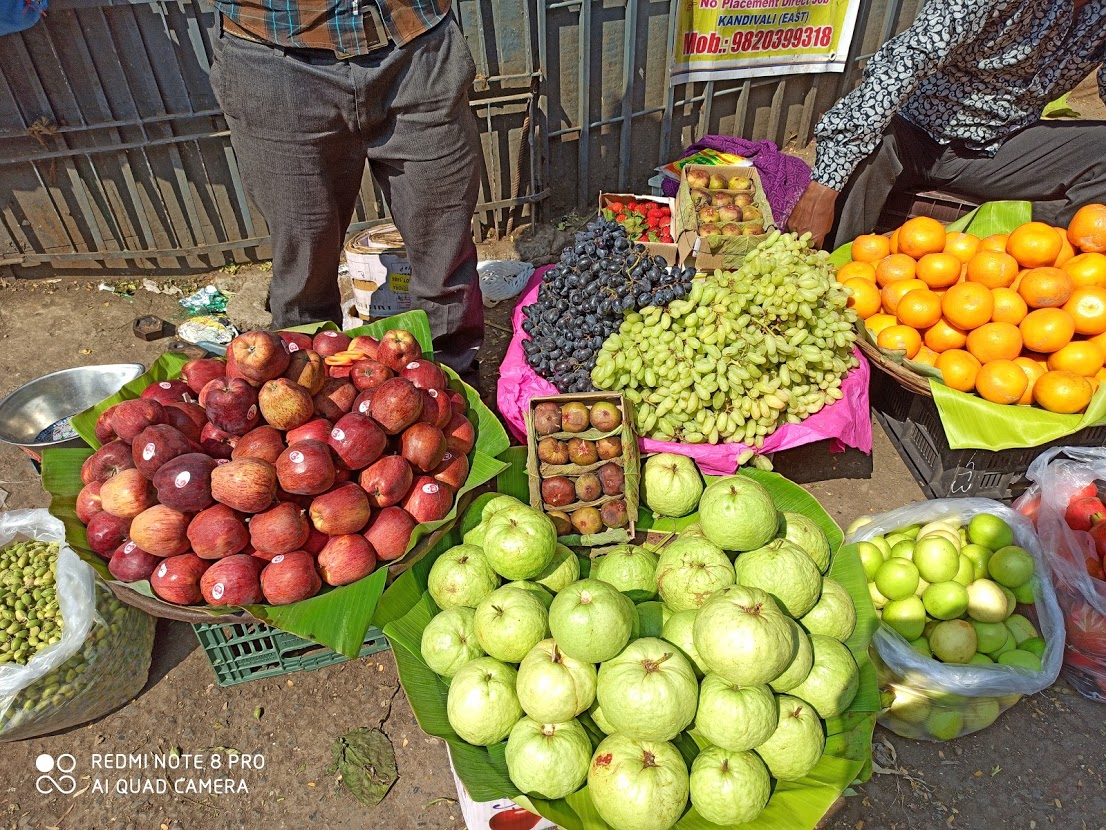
<point x="913" y="424"/>
<point x="241" y="652"/>
<point x="902" y="205"/>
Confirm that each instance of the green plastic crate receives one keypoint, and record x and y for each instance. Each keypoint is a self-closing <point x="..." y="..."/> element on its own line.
<point x="241" y="652"/>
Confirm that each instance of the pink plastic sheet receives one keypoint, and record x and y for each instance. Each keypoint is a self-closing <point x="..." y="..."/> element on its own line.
<point x="847" y="423"/>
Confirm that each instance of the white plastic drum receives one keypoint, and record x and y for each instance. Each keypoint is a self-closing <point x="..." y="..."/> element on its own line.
<point x="380" y="272"/>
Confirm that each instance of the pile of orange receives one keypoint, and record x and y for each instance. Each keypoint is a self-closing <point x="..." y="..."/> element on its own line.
<point x="1017" y="318"/>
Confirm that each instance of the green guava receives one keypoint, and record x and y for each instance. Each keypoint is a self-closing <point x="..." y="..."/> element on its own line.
<point x="651" y="619"/>
<point x="743" y="635"/>
<point x="482" y="705"/>
<point x="475" y="526"/>
<point x="834" y="614"/>
<point x="509" y="622"/>
<point x="591" y="620"/>
<point x="638" y="785"/>
<point x="596" y="712"/>
<point x="783" y="570"/>
<point x="549" y="760"/>
<point x="833" y="680"/>
<point x="534" y="588"/>
<point x="738" y="514"/>
<point x="553" y="687"/>
<point x="670" y="484"/>
<point x="804" y="531"/>
<point x="449" y="641"/>
<point x="520" y="542"/>
<point x="679" y="629"/>
<point x="953" y="641"/>
<point x="563" y="569"/>
<point x="690" y="570"/>
<point x="799" y="667"/>
<point x="461" y="576"/>
<point x="629" y="568"/>
<point x="649" y="691"/>
<point x="798" y="742"/>
<point x="727" y="787"/>
<point x="735" y="717"/>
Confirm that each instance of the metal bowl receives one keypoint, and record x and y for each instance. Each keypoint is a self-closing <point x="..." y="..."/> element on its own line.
<point x="38" y="404"/>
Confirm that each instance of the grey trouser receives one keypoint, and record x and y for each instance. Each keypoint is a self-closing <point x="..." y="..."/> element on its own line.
<point x="1057" y="165"/>
<point x="302" y="124"/>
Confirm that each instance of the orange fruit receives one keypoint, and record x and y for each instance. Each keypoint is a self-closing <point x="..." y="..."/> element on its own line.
<point x="1078" y="356"/>
<point x="941" y="337"/>
<point x="870" y="247"/>
<point x="992" y="269"/>
<point x="958" y="369"/>
<point x="1045" y="287"/>
<point x="1034" y="245"/>
<point x="1100" y="375"/>
<point x="1064" y="392"/>
<point x="865" y="299"/>
<point x="995" y="341"/>
<point x="963" y="246"/>
<point x="878" y="322"/>
<point x="920" y="236"/>
<point x="854" y="270"/>
<point x="894" y="268"/>
<point x="893" y="241"/>
<point x="896" y="291"/>
<point x="1001" y="381"/>
<point x="968" y="305"/>
<point x="1033" y="370"/>
<point x="926" y="355"/>
<point x="901" y="338"/>
<point x="1009" y="306"/>
<point x="938" y="270"/>
<point x="919" y="309"/>
<point x="1087" y="229"/>
<point x="1066" y="250"/>
<point x="1087" y="306"/>
<point x="1086" y="269"/>
<point x="995" y="242"/>
<point x="1047" y="329"/>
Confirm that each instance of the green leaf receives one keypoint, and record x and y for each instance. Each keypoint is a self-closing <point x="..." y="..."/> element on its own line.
<point x="366" y="761"/>
<point x="1060" y="108"/>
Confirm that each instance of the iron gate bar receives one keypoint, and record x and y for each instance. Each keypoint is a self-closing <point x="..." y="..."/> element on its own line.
<point x="629" y="59"/>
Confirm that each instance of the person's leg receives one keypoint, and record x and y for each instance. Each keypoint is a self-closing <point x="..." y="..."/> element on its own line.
<point x="1057" y="165"/>
<point x="424" y="151"/>
<point x="291" y="126"/>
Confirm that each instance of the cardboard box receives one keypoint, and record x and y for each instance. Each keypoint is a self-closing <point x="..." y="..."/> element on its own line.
<point x="667" y="250"/>
<point x="629" y="461"/>
<point x="711" y="252"/>
<point x="495" y="815"/>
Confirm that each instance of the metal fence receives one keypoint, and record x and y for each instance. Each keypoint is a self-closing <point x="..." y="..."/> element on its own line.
<point x="114" y="154"/>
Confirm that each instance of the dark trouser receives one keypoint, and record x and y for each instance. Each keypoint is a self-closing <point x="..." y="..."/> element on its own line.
<point x="1057" y="165"/>
<point x="302" y="124"/>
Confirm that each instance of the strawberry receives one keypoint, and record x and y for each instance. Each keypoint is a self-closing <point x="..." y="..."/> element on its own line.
<point x="643" y="238"/>
<point x="621" y="217"/>
<point x="1084" y="511"/>
<point x="616" y="207"/>
<point x="653" y="222"/>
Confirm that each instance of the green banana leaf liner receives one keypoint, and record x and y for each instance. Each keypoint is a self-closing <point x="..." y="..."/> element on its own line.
<point x="337" y="618"/>
<point x="407" y="607"/>
<point x="969" y="421"/>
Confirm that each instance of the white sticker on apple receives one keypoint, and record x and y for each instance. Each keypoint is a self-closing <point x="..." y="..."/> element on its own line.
<point x="433" y="392"/>
<point x="293" y="347"/>
<point x="217" y="590"/>
<point x="329" y="334"/>
<point x="364" y="407"/>
<point x="162" y="570"/>
<point x="182" y="479"/>
<point x="295" y="456"/>
<point x="276" y="560"/>
<point x="219" y="462"/>
<point x="252" y="413"/>
<point x="430" y="488"/>
<point x="447" y="457"/>
<point x="129" y="547"/>
<point x="414" y="364"/>
<point x="148" y="451"/>
<point x="165" y="385"/>
<point x="338" y="434"/>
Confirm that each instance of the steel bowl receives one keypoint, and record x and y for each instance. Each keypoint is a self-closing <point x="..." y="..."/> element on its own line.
<point x="38" y="404"/>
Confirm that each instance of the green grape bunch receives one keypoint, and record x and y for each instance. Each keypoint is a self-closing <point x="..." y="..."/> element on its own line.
<point x="744" y="353"/>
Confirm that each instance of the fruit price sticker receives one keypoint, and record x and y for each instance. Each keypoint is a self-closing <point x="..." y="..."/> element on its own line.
<point x="717" y="39"/>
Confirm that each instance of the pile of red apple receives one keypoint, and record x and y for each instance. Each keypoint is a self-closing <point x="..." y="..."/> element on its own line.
<point x="297" y="462"/>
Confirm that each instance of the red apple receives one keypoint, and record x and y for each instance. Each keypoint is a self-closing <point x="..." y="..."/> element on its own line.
<point x="436" y="409"/>
<point x="425" y="374"/>
<point x="106" y="532"/>
<point x="264" y="442"/>
<point x="389" y="532"/>
<point x="316" y="541"/>
<point x="168" y="391"/>
<point x="458" y="401"/>
<point x="235" y="580"/>
<point x="127" y="494"/>
<point x="295" y="340"/>
<point x="104" y="432"/>
<point x="387" y="480"/>
<point x="335" y="400"/>
<point x="160" y="530"/>
<point x="429" y="500"/>
<point x="303" y="501"/>
<point x="177" y="579"/>
<point x="366" y="344"/>
<point x="396" y="404"/>
<point x="346" y="559"/>
<point x="454" y="470"/>
<point x="216" y="443"/>
<point x="357" y="440"/>
<point x="329" y="343"/>
<point x="317" y="428"/>
<point x="341" y="472"/>
<point x="130" y="563"/>
<point x="460" y="435"/>
<point x="199" y="373"/>
<point x="308" y="370"/>
<point x="217" y="532"/>
<point x="339" y="372"/>
<point x="184" y="483"/>
<point x="398" y="348"/>
<point x="188" y="418"/>
<point x="109" y="460"/>
<point x="259" y="356"/>
<point x="423" y="446"/>
<point x="362" y="404"/>
<point x="290" y="577"/>
<point x="156" y="445"/>
<point x="231" y="405"/>
<point x="131" y="417"/>
<point x="280" y="529"/>
<point x="345" y="509"/>
<point x="285" y="404"/>
<point x="246" y="484"/>
<point x="368" y="374"/>
<point x="306" y="467"/>
<point x="88" y="501"/>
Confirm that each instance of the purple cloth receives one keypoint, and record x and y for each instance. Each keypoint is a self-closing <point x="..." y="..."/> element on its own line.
<point x="784" y="177"/>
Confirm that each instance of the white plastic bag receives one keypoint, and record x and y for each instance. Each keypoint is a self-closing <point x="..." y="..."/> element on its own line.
<point x="101" y="659"/>
<point x="949" y="700"/>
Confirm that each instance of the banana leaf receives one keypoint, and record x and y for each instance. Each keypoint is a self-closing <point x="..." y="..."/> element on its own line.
<point x="969" y="421"/>
<point x="799" y="805"/>
<point x="337" y="618"/>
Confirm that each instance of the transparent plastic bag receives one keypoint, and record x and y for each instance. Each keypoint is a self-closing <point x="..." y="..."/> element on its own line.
<point x="1057" y="475"/>
<point x="101" y="659"/>
<point x="931" y="700"/>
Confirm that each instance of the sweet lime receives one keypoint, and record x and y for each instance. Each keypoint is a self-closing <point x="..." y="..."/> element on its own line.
<point x="921" y="645"/>
<point x="871" y="557"/>
<point x="878" y="599"/>
<point x="980" y="660"/>
<point x="1011" y="566"/>
<point x="906" y="616"/>
<point x="1009" y="645"/>
<point x="986" y="601"/>
<point x="1021" y="628"/>
<point x="1034" y="645"/>
<point x="1024" y="593"/>
<point x="897" y="579"/>
<point x="881" y="543"/>
<point x="990" y="531"/>
<point x="965" y="574"/>
<point x="946" y="600"/>
<point x="979" y="557"/>
<point x="945" y="724"/>
<point x="990" y="636"/>
<point x="903" y="549"/>
<point x="936" y="558"/>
